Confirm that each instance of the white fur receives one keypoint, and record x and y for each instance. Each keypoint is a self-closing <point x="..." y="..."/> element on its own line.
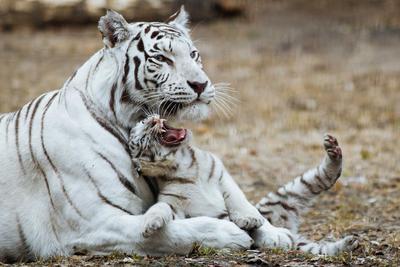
<point x="78" y="147"/>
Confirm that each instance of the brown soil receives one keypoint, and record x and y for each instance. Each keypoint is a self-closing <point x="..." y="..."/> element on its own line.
<point x="300" y="70"/>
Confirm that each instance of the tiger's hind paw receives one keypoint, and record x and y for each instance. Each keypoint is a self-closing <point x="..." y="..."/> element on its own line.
<point x="332" y="147"/>
<point x="349" y="243"/>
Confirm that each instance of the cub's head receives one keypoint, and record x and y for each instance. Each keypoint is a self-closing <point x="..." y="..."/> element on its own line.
<point x="160" y="68"/>
<point x="153" y="138"/>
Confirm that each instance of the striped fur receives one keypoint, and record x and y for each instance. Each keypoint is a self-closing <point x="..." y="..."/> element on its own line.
<point x="67" y="179"/>
<point x="194" y="183"/>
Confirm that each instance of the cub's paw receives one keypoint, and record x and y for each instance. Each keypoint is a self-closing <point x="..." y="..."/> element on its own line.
<point x="154" y="223"/>
<point x="247" y="219"/>
<point x="269" y="236"/>
<point x="332" y="148"/>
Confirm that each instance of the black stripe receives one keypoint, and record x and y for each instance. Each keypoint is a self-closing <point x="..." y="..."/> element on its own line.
<point x="225" y="195"/>
<point x="97" y="64"/>
<point x="105" y="124"/>
<point x="70" y="79"/>
<point x="17" y="141"/>
<point x="140" y="45"/>
<point x="326" y="174"/>
<point x="221" y="176"/>
<point x="126" y="68"/>
<point x="37" y="103"/>
<point x="172" y="208"/>
<point x="279" y="194"/>
<point x="154" y="34"/>
<point x="112" y="99"/>
<point x="192" y="157"/>
<point x="177" y="180"/>
<point x="31" y="150"/>
<point x="223" y="215"/>
<point x="322" y="184"/>
<point x="28" y="109"/>
<point x="42" y="129"/>
<point x="266" y="212"/>
<point x="47" y="184"/>
<point x="174" y="195"/>
<point x="124" y="181"/>
<point x="212" y="168"/>
<point x="309" y="186"/>
<point x="136" y="61"/>
<point x="24" y="249"/>
<point x="104" y="198"/>
<point x="283" y="205"/>
<point x="295" y="195"/>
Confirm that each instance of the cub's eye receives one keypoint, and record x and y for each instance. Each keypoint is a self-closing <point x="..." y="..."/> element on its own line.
<point x="162" y="58"/>
<point x="193" y="54"/>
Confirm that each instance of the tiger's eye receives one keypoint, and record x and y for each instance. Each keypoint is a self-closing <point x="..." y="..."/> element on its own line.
<point x="193" y="54"/>
<point x="162" y="58"/>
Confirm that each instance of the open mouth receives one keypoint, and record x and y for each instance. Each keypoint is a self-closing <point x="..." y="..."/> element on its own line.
<point x="171" y="136"/>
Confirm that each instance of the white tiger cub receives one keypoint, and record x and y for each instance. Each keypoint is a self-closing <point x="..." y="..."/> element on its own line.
<point x="194" y="182"/>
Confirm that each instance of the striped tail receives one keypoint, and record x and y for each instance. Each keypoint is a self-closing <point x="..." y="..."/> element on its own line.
<point x="328" y="248"/>
<point x="284" y="206"/>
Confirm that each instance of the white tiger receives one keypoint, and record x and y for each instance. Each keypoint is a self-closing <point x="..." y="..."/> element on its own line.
<point x="194" y="182"/>
<point x="66" y="175"/>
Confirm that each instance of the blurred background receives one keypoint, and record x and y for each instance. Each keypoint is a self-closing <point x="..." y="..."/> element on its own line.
<point x="299" y="68"/>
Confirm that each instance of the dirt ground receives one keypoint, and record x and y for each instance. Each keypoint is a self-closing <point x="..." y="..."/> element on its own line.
<point x="299" y="71"/>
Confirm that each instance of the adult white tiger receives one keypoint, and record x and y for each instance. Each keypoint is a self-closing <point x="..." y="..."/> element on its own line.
<point x="67" y="180"/>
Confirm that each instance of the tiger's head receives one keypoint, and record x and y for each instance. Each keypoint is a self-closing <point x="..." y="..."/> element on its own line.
<point x="160" y="68"/>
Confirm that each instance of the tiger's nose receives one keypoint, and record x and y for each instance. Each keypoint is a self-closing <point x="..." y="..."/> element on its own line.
<point x="198" y="87"/>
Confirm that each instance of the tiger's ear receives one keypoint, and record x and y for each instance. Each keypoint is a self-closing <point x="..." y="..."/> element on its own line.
<point x="114" y="28"/>
<point x="180" y="18"/>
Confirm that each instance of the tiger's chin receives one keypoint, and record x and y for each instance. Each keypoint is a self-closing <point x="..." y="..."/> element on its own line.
<point x="194" y="112"/>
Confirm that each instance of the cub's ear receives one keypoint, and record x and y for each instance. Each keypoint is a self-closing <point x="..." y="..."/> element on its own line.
<point x="114" y="28"/>
<point x="180" y="18"/>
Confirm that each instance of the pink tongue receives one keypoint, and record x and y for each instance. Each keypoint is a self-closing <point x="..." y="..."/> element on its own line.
<point x="175" y="135"/>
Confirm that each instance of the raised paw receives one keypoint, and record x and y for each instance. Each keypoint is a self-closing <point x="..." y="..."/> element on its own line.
<point x="332" y="147"/>
<point x="269" y="236"/>
<point x="247" y="219"/>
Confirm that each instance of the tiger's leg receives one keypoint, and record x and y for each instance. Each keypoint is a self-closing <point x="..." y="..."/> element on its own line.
<point x="239" y="209"/>
<point x="284" y="207"/>
<point x="246" y="216"/>
<point x="123" y="233"/>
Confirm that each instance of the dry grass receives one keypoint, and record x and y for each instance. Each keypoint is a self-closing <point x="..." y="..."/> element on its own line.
<point x="299" y="71"/>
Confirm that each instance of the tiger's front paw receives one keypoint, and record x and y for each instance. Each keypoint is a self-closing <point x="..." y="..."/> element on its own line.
<point x="247" y="219"/>
<point x="154" y="224"/>
<point x="269" y="236"/>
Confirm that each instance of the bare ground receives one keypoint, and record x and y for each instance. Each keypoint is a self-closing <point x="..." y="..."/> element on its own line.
<point x="299" y="71"/>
